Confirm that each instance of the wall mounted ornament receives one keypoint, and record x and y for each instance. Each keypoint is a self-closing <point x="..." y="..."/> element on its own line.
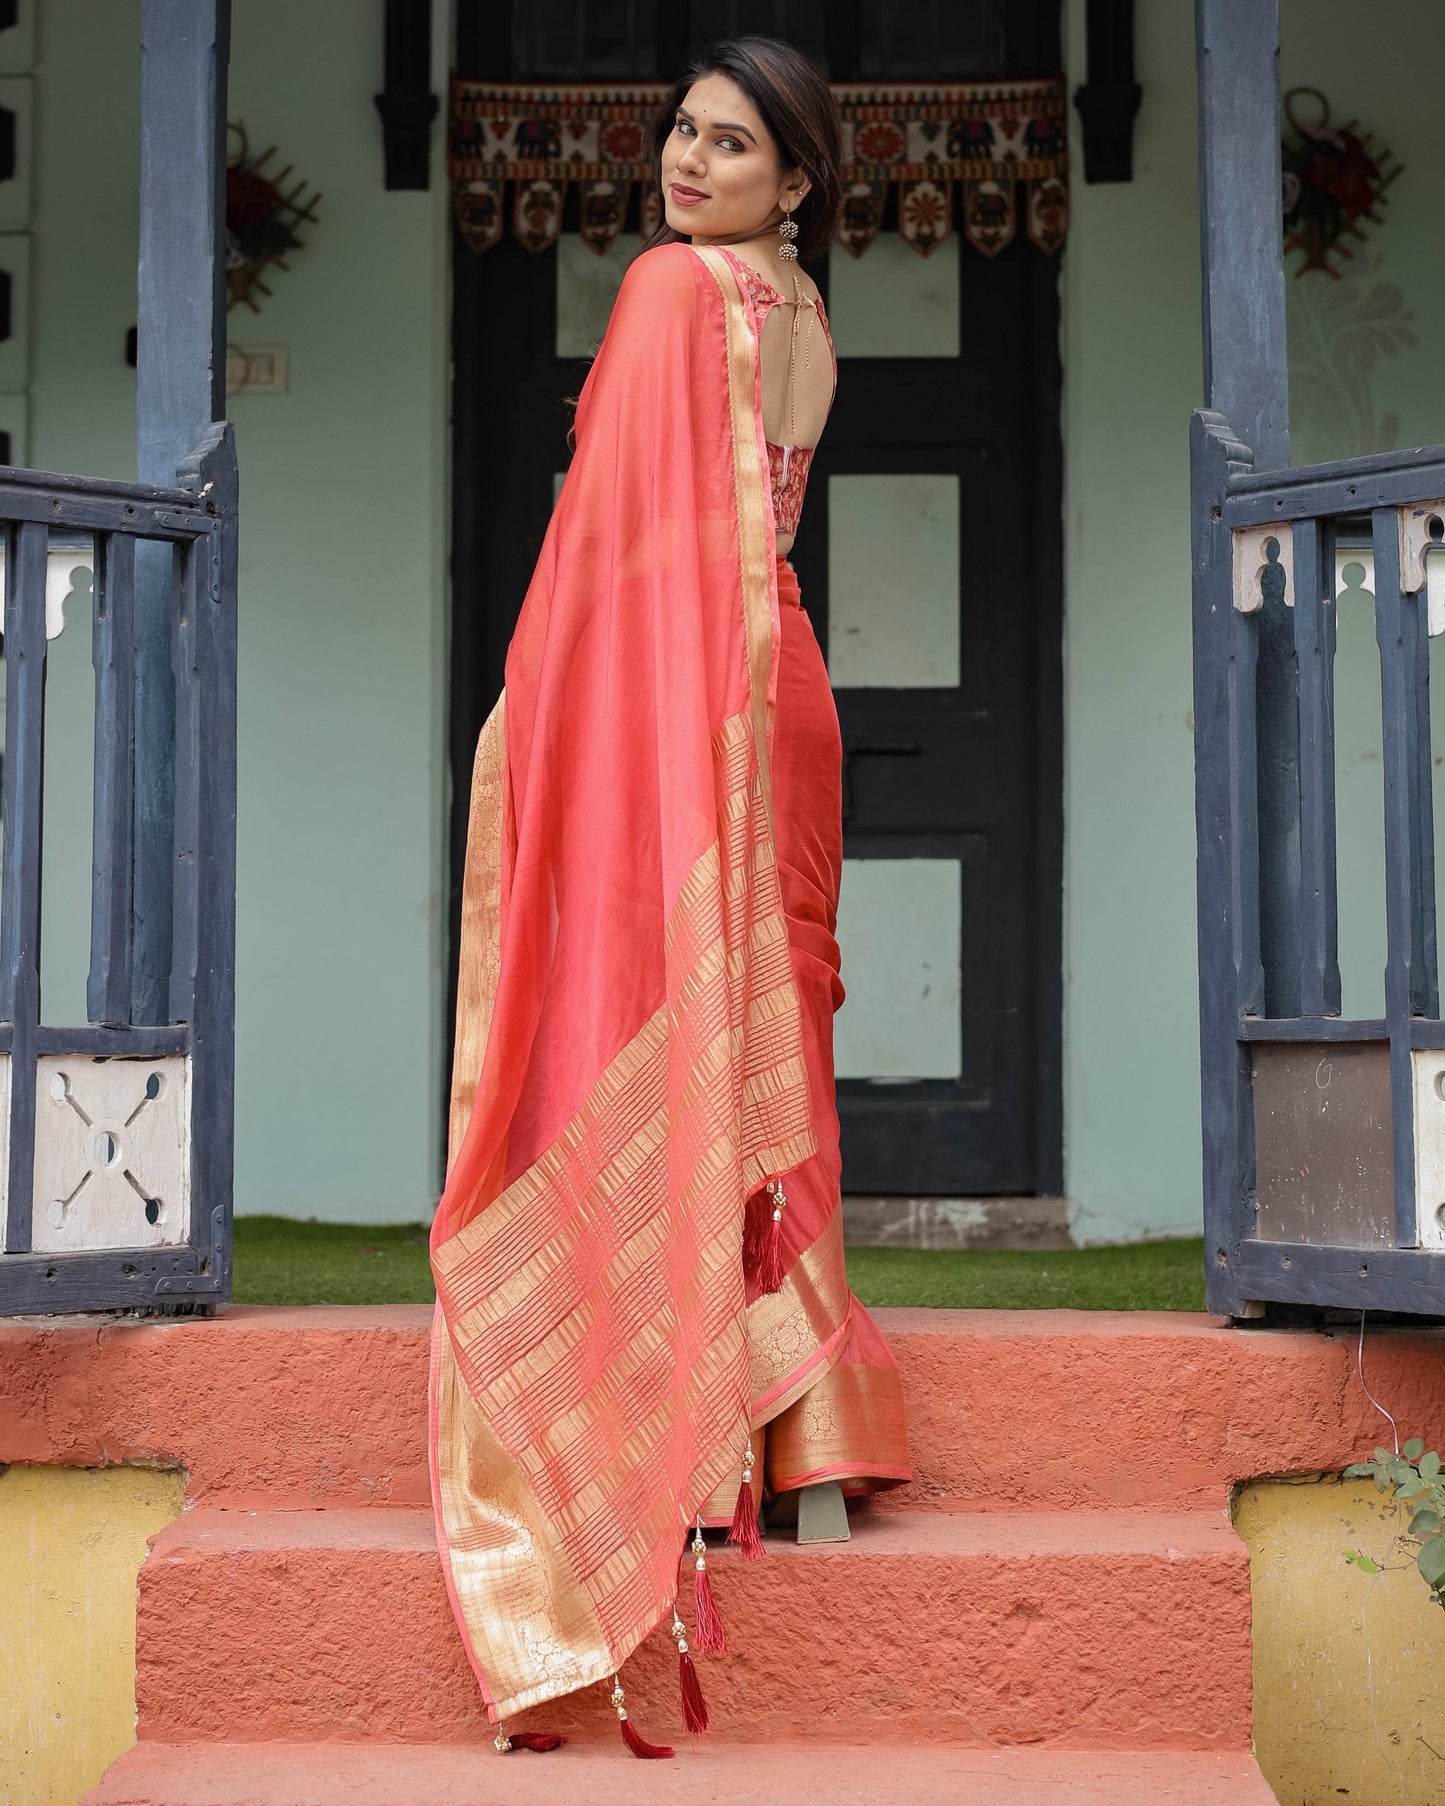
<point x="1334" y="183"/>
<point x="994" y="155"/>
<point x="263" y="217"/>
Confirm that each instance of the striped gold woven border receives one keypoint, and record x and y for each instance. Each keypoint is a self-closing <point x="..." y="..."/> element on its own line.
<point x="479" y="951"/>
<point x="796" y="1333"/>
<point x="849" y="1426"/>
<point x="596" y="1308"/>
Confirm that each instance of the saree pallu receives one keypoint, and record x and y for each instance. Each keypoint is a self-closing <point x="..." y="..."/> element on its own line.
<point x="639" y="1041"/>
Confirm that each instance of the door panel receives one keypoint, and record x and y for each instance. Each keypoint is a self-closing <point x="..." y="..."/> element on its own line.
<point x="893" y="600"/>
<point x="893" y="303"/>
<point x="925" y="583"/>
<point x="900" y="925"/>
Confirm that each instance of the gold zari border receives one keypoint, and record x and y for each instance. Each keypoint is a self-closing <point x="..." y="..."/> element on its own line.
<point x="797" y="1332"/>
<point x="755" y="539"/>
<point x="849" y="1426"/>
<point x="479" y="953"/>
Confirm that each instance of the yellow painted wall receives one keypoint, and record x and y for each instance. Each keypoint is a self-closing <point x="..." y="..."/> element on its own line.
<point x="71" y="1544"/>
<point x="1349" y="1668"/>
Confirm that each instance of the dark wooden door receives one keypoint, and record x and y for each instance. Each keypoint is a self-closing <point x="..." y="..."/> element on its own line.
<point x="949" y="1066"/>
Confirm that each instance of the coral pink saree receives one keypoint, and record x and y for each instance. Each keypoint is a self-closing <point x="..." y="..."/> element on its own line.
<point x="644" y="1033"/>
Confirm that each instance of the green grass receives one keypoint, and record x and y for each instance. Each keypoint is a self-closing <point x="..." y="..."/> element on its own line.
<point x="1145" y="1276"/>
<point x="281" y="1261"/>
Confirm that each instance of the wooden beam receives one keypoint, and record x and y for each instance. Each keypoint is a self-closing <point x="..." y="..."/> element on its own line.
<point x="181" y="348"/>
<point x="108" y="990"/>
<point x="1314" y="641"/>
<point x="1231" y="981"/>
<point x="24" y="791"/>
<point x="203" y="981"/>
<point x="1412" y="984"/>
<point x="407" y="105"/>
<point x="1109" y="100"/>
<point x="1242" y="223"/>
<point x="181" y="377"/>
<point x="1245" y="381"/>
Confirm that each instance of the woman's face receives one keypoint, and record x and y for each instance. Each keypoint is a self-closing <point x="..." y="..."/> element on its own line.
<point x="721" y="179"/>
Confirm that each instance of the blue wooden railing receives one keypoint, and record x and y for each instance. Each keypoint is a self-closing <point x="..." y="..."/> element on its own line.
<point x="1324" y="1138"/>
<point x="186" y="534"/>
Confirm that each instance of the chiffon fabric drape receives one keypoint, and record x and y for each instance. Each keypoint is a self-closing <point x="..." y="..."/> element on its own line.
<point x="648" y="974"/>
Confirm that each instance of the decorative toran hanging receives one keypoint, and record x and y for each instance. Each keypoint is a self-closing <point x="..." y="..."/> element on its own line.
<point x="1003" y="145"/>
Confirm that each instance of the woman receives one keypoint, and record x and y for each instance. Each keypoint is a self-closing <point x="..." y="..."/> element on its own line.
<point x="643" y="1319"/>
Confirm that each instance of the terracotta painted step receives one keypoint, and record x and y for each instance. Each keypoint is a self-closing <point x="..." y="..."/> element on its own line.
<point x="1048" y="1409"/>
<point x="325" y="1404"/>
<point x="709" y="1773"/>
<point x="1052" y="1409"/>
<point x="1102" y="1629"/>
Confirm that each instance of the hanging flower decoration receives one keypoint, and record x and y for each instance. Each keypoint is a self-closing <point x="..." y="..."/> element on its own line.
<point x="1334" y="183"/>
<point x="262" y="219"/>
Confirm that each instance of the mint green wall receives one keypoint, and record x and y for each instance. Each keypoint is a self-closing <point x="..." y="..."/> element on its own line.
<point x="1131" y="375"/>
<point x="343" y="486"/>
<point x="343" y="576"/>
<point x="1363" y="379"/>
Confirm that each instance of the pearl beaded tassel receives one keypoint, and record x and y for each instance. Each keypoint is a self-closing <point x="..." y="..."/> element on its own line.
<point x="541" y="1741"/>
<point x="694" y="1706"/>
<point x="631" y="1736"/>
<point x="744" y="1531"/>
<point x="770" y="1254"/>
<point x="708" y="1632"/>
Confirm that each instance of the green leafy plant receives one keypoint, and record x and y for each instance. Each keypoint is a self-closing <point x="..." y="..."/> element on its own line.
<point x="1412" y="1478"/>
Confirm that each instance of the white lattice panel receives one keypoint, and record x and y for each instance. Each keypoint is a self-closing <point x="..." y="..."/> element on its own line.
<point x="112" y="1152"/>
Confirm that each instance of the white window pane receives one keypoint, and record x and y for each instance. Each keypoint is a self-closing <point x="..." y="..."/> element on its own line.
<point x="890" y="302"/>
<point x="900" y="926"/>
<point x="893" y="582"/>
<point x="587" y="286"/>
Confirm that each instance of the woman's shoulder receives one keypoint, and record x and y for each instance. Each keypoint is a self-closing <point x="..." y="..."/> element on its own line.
<point x="662" y="272"/>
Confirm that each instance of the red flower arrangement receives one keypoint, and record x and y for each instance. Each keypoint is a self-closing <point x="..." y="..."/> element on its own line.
<point x="261" y="219"/>
<point x="1334" y="181"/>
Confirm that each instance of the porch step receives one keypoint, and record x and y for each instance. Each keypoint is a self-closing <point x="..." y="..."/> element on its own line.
<point x="1105" y="1629"/>
<point x="710" y="1772"/>
<point x="1008" y="1410"/>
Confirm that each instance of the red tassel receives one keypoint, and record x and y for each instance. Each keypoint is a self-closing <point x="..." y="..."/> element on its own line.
<point x="763" y="1241"/>
<point x="744" y="1531"/>
<point x="770" y="1262"/>
<point x="694" y="1706"/>
<point x="708" y="1635"/>
<point x="631" y="1736"/>
<point x="541" y="1741"/>
<point x="638" y="1744"/>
